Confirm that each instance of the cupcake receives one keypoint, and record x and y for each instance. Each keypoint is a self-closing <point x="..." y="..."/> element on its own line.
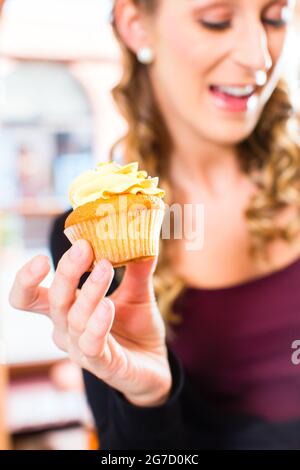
<point x="119" y="210"/>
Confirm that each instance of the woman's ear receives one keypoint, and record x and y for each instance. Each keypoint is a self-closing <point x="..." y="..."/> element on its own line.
<point x="131" y="25"/>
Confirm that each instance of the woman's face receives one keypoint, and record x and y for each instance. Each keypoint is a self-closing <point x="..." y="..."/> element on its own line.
<point x="217" y="63"/>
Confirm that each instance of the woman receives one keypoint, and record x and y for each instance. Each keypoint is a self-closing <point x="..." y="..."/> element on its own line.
<point x="207" y="112"/>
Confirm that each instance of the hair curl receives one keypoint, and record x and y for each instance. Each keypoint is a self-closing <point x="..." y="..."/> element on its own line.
<point x="270" y="157"/>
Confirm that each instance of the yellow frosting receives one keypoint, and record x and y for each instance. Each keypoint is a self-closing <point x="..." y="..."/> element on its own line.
<point x="109" y="179"/>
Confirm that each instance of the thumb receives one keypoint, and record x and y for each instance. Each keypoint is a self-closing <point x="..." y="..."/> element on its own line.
<point x="137" y="283"/>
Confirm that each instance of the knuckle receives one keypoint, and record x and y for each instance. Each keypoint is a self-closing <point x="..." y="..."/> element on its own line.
<point x="95" y="335"/>
<point x="75" y="324"/>
<point x="82" y="303"/>
<point x="113" y="370"/>
<point x="21" y="279"/>
<point x="57" y="305"/>
<point x="51" y="296"/>
<point x="89" y="352"/>
<point x="57" y="338"/>
<point x="57" y="302"/>
<point x="108" y="304"/>
<point x="90" y="348"/>
<point x="84" y="345"/>
<point x="15" y="303"/>
<point x="65" y="269"/>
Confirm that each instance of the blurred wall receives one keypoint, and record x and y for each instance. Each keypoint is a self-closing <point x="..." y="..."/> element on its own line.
<point x="83" y="40"/>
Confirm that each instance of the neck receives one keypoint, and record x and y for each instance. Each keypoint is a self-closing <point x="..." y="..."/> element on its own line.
<point x="205" y="163"/>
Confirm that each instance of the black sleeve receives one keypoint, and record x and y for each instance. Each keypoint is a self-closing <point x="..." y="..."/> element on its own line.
<point x="185" y="421"/>
<point x="123" y="426"/>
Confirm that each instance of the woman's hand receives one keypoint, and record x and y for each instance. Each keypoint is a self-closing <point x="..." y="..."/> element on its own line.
<point x="120" y="339"/>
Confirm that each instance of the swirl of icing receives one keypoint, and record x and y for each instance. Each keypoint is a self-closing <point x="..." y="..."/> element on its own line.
<point x="110" y="179"/>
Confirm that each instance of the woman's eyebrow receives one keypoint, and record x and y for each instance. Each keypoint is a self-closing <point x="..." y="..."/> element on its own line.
<point x="210" y="4"/>
<point x="202" y="6"/>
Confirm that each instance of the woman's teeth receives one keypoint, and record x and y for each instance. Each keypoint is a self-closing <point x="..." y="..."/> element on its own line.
<point x="236" y="91"/>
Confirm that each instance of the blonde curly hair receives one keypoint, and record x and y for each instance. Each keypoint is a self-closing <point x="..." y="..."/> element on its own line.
<point x="270" y="157"/>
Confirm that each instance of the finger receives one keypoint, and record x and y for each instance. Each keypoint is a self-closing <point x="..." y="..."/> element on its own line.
<point x="94" y="339"/>
<point x="74" y="263"/>
<point x="137" y="283"/>
<point x="60" y="338"/>
<point x="93" y="290"/>
<point x="26" y="293"/>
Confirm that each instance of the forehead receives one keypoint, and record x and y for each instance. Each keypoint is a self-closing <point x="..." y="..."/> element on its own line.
<point x="183" y="7"/>
<point x="258" y="3"/>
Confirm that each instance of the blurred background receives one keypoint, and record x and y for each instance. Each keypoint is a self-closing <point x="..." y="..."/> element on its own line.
<point x="58" y="63"/>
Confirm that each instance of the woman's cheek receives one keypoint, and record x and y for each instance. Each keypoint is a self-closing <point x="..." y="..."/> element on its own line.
<point x="276" y="46"/>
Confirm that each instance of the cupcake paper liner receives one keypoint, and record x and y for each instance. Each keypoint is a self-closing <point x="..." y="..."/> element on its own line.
<point x="121" y="237"/>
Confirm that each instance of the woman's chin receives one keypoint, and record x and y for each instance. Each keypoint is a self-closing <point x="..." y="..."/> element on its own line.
<point x="227" y="128"/>
<point x="229" y="135"/>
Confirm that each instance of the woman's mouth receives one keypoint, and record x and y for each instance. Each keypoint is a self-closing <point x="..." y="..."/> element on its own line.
<point x="232" y="97"/>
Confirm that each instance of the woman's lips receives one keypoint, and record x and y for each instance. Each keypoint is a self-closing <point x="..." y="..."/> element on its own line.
<point x="229" y="102"/>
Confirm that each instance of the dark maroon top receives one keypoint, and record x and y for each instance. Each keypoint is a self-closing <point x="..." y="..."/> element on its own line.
<point x="235" y="344"/>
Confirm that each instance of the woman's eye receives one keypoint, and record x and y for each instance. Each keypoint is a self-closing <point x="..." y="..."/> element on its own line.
<point x="216" y="26"/>
<point x="275" y="23"/>
<point x="280" y="16"/>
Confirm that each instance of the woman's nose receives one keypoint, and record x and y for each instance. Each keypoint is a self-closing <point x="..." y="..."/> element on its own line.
<point x="251" y="49"/>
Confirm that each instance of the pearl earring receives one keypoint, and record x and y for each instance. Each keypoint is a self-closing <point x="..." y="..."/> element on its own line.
<point x="145" y="55"/>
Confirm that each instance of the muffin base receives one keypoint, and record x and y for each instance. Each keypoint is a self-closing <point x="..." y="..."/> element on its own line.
<point x="121" y="237"/>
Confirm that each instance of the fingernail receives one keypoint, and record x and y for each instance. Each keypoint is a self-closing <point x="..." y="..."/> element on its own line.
<point x="37" y="266"/>
<point x="99" y="271"/>
<point x="76" y="251"/>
